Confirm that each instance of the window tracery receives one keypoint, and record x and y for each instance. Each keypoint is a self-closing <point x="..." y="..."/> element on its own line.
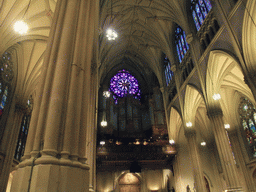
<point x="6" y="76"/>
<point x="247" y="114"/>
<point x="200" y="9"/>
<point x="167" y="70"/>
<point x="20" y="147"/>
<point x="181" y="43"/>
<point x="123" y="84"/>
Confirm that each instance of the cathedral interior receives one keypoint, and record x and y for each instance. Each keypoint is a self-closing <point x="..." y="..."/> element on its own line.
<point x="127" y="95"/>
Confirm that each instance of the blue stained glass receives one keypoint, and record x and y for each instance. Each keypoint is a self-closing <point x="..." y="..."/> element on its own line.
<point x="252" y="126"/>
<point x="208" y="5"/>
<point x="203" y="8"/>
<point x="183" y="44"/>
<point x="184" y="35"/>
<point x="168" y="73"/>
<point x="199" y="14"/>
<point x="181" y="50"/>
<point x="196" y="20"/>
<point x="200" y="9"/>
<point x="178" y="51"/>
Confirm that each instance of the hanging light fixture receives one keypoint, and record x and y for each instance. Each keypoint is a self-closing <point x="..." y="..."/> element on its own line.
<point x="203" y="143"/>
<point x="216" y="96"/>
<point x="189" y="124"/>
<point x="171" y="141"/>
<point x="103" y="123"/>
<point x="111" y="33"/>
<point x="20" y="27"/>
<point x="106" y="94"/>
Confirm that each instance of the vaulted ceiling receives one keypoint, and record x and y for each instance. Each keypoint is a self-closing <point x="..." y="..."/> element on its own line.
<point x="144" y="30"/>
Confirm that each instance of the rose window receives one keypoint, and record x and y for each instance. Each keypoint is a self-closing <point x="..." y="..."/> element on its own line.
<point x="123" y="84"/>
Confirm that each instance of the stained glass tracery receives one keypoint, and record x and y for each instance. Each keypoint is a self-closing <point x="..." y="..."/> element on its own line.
<point x="247" y="114"/>
<point x="181" y="43"/>
<point x="6" y="76"/>
<point x="168" y="72"/>
<point x="20" y="147"/>
<point x="200" y="9"/>
<point x="123" y="84"/>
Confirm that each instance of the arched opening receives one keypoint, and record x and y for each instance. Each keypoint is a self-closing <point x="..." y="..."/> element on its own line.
<point x="129" y="182"/>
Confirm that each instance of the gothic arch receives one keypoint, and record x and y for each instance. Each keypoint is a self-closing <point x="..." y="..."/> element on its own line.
<point x="249" y="35"/>
<point x="128" y="182"/>
<point x="223" y="71"/>
<point x="175" y="125"/>
<point x="192" y="100"/>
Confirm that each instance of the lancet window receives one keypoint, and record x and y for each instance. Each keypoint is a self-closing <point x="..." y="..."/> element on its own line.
<point x="248" y="120"/>
<point x="167" y="70"/>
<point x="200" y="9"/>
<point x="6" y="76"/>
<point x="181" y="43"/>
<point x="21" y="143"/>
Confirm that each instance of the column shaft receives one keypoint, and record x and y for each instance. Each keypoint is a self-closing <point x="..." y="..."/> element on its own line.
<point x="196" y="161"/>
<point x="225" y="152"/>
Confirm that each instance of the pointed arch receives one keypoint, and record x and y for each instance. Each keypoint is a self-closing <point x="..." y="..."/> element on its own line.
<point x="223" y="71"/>
<point x="193" y="98"/>
<point x="175" y="124"/>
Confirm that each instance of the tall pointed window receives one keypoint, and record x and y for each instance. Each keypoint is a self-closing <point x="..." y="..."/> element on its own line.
<point x="167" y="70"/>
<point x="6" y="76"/>
<point x="181" y="43"/>
<point x="248" y="120"/>
<point x="21" y="143"/>
<point x="200" y="9"/>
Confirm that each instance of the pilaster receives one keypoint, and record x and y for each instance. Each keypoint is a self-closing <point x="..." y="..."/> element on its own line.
<point x="224" y="150"/>
<point x="196" y="161"/>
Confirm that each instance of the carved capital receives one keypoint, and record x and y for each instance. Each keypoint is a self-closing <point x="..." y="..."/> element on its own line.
<point x="173" y="68"/>
<point x="189" y="38"/>
<point x="162" y="89"/>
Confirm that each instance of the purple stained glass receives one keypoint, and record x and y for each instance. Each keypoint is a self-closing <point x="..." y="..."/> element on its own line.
<point x="123" y="84"/>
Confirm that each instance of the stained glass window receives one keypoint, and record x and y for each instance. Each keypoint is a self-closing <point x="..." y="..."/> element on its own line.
<point x="20" y="147"/>
<point x="6" y="76"/>
<point x="124" y="84"/>
<point x="200" y="9"/>
<point x="167" y="71"/>
<point x="181" y="43"/>
<point x="248" y="120"/>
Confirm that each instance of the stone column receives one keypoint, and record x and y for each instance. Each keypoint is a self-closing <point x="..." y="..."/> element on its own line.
<point x="57" y="142"/>
<point x="196" y="161"/>
<point x="177" y="175"/>
<point x="224" y="149"/>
